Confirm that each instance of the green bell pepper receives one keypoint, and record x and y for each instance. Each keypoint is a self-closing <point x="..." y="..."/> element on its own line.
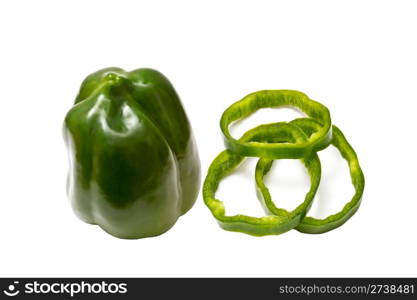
<point x="301" y="138"/>
<point x="134" y="165"/>
<point x="277" y="98"/>
<point x="227" y="161"/>
<point x="310" y="224"/>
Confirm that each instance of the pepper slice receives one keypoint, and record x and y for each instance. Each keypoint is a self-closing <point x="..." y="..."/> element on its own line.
<point x="310" y="224"/>
<point x="277" y="98"/>
<point x="227" y="161"/>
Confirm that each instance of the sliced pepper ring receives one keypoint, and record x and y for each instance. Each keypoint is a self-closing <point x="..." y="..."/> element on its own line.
<point x="227" y="161"/>
<point x="277" y="98"/>
<point x="310" y="224"/>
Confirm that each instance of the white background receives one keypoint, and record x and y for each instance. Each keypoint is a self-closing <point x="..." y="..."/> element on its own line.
<point x="356" y="57"/>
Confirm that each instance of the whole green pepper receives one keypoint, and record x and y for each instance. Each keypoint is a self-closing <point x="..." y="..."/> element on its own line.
<point x="134" y="165"/>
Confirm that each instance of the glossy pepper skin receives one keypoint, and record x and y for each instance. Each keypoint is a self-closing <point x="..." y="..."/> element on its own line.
<point x="134" y="165"/>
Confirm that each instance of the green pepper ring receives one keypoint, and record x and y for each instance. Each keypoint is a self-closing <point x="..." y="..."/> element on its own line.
<point x="309" y="224"/>
<point x="277" y="98"/>
<point x="226" y="161"/>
